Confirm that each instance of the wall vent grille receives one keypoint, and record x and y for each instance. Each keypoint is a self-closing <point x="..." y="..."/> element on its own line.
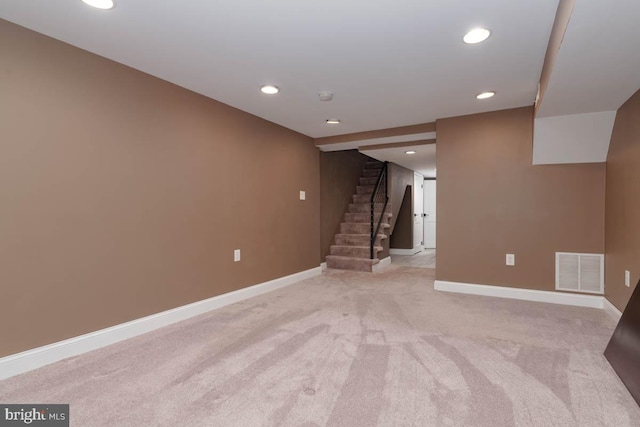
<point x="580" y="272"/>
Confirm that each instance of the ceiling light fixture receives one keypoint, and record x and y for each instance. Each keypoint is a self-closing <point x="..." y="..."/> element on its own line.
<point x="410" y="152"/>
<point x="333" y="121"/>
<point x="485" y="95"/>
<point x="476" y="35"/>
<point x="325" y="95"/>
<point x="270" y="89"/>
<point x="100" y="4"/>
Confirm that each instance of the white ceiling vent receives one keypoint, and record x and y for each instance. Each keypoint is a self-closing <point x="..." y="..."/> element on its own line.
<point x="580" y="272"/>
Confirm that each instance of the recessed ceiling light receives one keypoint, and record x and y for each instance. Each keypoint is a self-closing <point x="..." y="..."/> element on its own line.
<point x="269" y="89"/>
<point x="333" y="121"/>
<point x="476" y="35"/>
<point x="100" y="4"/>
<point x="485" y="95"/>
<point x="410" y="152"/>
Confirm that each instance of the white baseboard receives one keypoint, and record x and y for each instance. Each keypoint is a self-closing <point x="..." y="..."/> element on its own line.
<point x="382" y="264"/>
<point x="612" y="310"/>
<point x="521" y="294"/>
<point x="41" y="356"/>
<point x="413" y="251"/>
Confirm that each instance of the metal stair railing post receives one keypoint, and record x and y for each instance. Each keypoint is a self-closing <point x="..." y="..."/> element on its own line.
<point x="380" y="194"/>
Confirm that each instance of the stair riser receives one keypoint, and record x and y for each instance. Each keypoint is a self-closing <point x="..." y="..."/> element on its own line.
<point x="373" y="166"/>
<point x="355" y="240"/>
<point x="355" y="228"/>
<point x="366" y="207"/>
<point x="353" y="264"/>
<point x="366" y="198"/>
<point x="354" y="252"/>
<point x="365" y="217"/>
<point x="368" y="181"/>
<point x="364" y="189"/>
<point x="361" y="198"/>
<point x="370" y="173"/>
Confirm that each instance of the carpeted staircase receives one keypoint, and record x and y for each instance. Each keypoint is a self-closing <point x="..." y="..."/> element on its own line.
<point x="351" y="249"/>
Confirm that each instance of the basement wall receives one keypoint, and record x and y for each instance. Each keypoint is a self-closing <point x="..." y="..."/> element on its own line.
<point x="622" y="217"/>
<point x="399" y="179"/>
<point x="124" y="195"/>
<point x="492" y="201"/>
<point x="402" y="237"/>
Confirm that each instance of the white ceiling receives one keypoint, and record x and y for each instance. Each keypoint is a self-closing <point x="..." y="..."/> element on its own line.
<point x="423" y="161"/>
<point x="389" y="63"/>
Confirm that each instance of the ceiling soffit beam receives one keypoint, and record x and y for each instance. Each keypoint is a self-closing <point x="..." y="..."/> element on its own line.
<point x="560" y="24"/>
<point x="375" y="134"/>
<point x="354" y="145"/>
<point x="397" y="144"/>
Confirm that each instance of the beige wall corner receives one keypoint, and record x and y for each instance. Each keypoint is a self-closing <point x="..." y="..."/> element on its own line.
<point x="622" y="229"/>
<point x="124" y="195"/>
<point x="493" y="201"/>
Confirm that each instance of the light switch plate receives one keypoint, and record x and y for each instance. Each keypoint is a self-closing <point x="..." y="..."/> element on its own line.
<point x="303" y="195"/>
<point x="236" y="255"/>
<point x="511" y="259"/>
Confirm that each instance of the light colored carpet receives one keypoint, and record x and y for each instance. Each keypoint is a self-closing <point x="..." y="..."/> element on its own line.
<point x="350" y="349"/>
<point x="424" y="259"/>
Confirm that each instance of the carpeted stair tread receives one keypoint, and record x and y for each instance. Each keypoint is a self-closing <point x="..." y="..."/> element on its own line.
<point x="360" y="217"/>
<point x="371" y="173"/>
<point x="365" y="189"/>
<point x="359" y="227"/>
<point x="353" y="251"/>
<point x="361" y="198"/>
<point x="366" y="207"/>
<point x="369" y="181"/>
<point x="358" y="239"/>
<point x="348" y="263"/>
<point x="373" y="165"/>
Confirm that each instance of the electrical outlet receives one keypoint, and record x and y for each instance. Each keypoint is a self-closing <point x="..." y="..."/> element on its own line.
<point x="627" y="278"/>
<point x="303" y="195"/>
<point x="236" y="255"/>
<point x="511" y="259"/>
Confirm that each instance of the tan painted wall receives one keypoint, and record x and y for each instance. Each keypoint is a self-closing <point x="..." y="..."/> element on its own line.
<point x="402" y="237"/>
<point x="622" y="230"/>
<point x="491" y="201"/>
<point x="340" y="173"/>
<point x="399" y="178"/>
<point x="123" y="195"/>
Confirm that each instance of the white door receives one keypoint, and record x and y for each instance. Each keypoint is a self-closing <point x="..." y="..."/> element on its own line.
<point x="418" y="197"/>
<point x="430" y="214"/>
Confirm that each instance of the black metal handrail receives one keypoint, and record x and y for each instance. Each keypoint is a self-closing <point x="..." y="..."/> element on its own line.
<point x="380" y="195"/>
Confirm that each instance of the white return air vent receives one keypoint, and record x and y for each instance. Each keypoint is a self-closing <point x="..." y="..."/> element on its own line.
<point x="580" y="272"/>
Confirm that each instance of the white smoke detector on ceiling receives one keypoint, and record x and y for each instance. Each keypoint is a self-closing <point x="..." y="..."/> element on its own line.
<point x="325" y="95"/>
